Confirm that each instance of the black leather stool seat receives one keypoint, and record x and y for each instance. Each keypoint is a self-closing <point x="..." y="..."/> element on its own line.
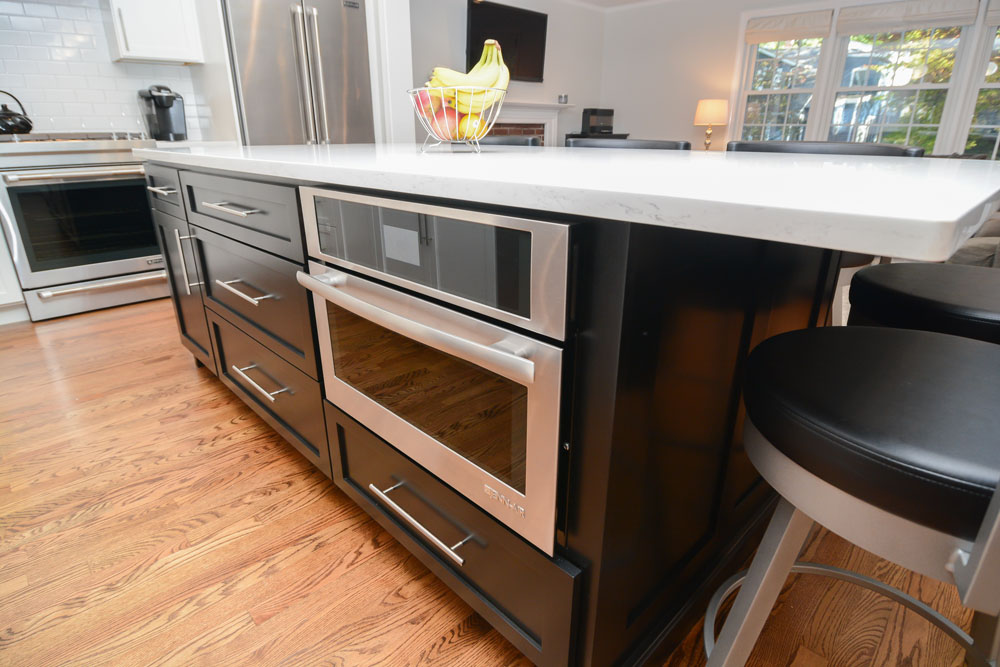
<point x="908" y="421"/>
<point x="950" y="298"/>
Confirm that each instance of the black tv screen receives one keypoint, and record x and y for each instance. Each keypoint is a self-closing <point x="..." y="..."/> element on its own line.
<point x="521" y="34"/>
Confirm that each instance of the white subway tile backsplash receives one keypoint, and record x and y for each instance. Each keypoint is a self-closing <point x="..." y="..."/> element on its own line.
<point x="13" y="37"/>
<point x="7" y="51"/>
<point x="78" y="109"/>
<point x="38" y="9"/>
<point x="86" y="28"/>
<point x="57" y="53"/>
<point x="84" y="41"/>
<point x="12" y="82"/>
<point x="58" y="25"/>
<point x="88" y="95"/>
<point x="84" y="69"/>
<point x="100" y="83"/>
<point x="20" y="66"/>
<point x="74" y="13"/>
<point x="46" y="39"/>
<point x="52" y="67"/>
<point x="33" y="52"/>
<point x="25" y="23"/>
<point x="11" y="8"/>
<point x="94" y="15"/>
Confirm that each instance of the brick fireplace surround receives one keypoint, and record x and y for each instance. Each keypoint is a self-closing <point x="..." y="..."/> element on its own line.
<point x="516" y="129"/>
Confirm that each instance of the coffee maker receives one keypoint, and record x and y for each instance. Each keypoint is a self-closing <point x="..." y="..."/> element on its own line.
<point x="164" y="111"/>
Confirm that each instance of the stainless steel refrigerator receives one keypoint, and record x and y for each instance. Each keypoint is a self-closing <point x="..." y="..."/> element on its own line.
<point x="302" y="72"/>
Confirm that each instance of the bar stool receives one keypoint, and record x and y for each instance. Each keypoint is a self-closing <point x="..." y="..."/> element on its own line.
<point x="825" y="148"/>
<point x="906" y="467"/>
<point x="949" y="298"/>
<point x="658" y="144"/>
<point x="513" y="140"/>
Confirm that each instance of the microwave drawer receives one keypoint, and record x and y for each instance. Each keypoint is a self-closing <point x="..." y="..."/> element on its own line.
<point x="263" y="215"/>
<point x="528" y="596"/>
<point x="283" y="396"/>
<point x="164" y="187"/>
<point x="259" y="288"/>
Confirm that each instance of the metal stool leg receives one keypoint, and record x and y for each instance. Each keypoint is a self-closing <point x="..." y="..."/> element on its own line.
<point x="777" y="553"/>
<point x="986" y="633"/>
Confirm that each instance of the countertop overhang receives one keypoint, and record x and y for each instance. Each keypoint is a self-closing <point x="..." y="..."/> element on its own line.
<point x="914" y="208"/>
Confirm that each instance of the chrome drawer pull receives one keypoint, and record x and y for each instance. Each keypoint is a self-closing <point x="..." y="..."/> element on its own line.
<point x="403" y="514"/>
<point x="161" y="190"/>
<point x="269" y="395"/>
<point x="224" y="207"/>
<point x="255" y="300"/>
<point x="107" y="284"/>
<point x="180" y="253"/>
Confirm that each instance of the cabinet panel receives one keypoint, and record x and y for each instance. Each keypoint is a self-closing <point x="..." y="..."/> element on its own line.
<point x="164" y="187"/>
<point x="526" y="595"/>
<point x="263" y="215"/>
<point x="285" y="397"/>
<point x="185" y="286"/>
<point x="262" y="290"/>
<point x="164" y="31"/>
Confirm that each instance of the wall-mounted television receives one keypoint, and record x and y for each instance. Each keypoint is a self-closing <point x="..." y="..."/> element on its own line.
<point x="521" y="34"/>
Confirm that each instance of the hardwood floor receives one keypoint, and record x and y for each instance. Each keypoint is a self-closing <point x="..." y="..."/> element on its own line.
<point x="148" y="518"/>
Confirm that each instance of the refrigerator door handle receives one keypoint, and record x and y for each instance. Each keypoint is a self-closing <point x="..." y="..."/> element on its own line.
<point x="302" y="70"/>
<point x="316" y="71"/>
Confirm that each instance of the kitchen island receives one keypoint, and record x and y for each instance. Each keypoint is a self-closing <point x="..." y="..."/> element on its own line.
<point x="617" y="491"/>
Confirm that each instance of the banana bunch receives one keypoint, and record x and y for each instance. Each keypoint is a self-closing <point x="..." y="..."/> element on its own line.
<point x="459" y="89"/>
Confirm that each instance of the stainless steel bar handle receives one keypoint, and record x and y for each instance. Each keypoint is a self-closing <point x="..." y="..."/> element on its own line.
<point x="316" y="71"/>
<point x="161" y="190"/>
<point x="269" y="395"/>
<point x="405" y="516"/>
<point x="184" y="269"/>
<point x="512" y="366"/>
<point x="255" y="300"/>
<point x="226" y="207"/>
<point x="73" y="175"/>
<point x="302" y="62"/>
<point x="120" y="282"/>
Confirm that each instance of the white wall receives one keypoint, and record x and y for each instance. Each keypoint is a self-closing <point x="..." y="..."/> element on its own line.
<point x="660" y="59"/>
<point x="55" y="58"/>
<point x="574" y="51"/>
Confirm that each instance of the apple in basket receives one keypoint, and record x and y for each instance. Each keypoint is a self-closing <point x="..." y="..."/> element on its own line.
<point x="428" y="104"/>
<point x="445" y="123"/>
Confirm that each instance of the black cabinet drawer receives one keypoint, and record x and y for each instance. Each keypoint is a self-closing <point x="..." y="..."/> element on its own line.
<point x="285" y="397"/>
<point x="262" y="290"/>
<point x="263" y="215"/>
<point x="164" y="187"/>
<point x="526" y="595"/>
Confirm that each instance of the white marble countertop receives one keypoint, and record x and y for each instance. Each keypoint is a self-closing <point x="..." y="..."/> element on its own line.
<point x="901" y="207"/>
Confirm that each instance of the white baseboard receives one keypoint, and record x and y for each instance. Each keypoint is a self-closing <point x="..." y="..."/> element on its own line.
<point x="14" y="312"/>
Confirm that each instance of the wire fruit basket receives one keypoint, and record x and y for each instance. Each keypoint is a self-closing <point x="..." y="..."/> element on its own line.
<point x="456" y="114"/>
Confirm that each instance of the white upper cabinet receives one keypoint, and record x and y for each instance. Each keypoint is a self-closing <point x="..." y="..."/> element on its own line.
<point x="162" y="31"/>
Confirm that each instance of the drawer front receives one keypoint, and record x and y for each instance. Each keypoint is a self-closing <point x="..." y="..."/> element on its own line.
<point x="164" y="187"/>
<point x="263" y="215"/>
<point x="285" y="397"/>
<point x="262" y="290"/>
<point x="526" y="595"/>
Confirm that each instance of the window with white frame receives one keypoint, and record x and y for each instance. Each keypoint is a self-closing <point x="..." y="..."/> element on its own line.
<point x="985" y="129"/>
<point x="880" y="72"/>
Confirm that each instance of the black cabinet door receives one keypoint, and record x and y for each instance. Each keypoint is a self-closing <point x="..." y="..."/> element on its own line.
<point x="185" y="286"/>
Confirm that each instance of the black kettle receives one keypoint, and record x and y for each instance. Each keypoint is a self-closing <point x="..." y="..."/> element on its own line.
<point x="12" y="122"/>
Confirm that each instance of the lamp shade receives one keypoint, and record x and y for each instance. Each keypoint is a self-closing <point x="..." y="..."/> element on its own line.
<point x="712" y="112"/>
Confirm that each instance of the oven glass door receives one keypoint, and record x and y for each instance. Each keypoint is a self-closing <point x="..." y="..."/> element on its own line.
<point x="512" y="269"/>
<point x="475" y="404"/>
<point x="75" y="223"/>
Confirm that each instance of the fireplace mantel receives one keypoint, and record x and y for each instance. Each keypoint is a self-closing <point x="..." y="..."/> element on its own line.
<point x="545" y="113"/>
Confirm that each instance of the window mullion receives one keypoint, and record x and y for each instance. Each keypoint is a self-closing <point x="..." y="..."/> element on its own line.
<point x="970" y="68"/>
<point x="818" y="126"/>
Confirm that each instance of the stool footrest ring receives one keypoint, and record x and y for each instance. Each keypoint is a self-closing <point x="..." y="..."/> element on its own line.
<point x="973" y="655"/>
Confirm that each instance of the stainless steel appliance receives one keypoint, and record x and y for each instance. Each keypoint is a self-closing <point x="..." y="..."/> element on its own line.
<point x="474" y="402"/>
<point x="78" y="224"/>
<point x="164" y="113"/>
<point x="301" y="69"/>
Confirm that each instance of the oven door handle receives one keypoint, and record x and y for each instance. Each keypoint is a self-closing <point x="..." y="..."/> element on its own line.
<point x="510" y="365"/>
<point x="94" y="174"/>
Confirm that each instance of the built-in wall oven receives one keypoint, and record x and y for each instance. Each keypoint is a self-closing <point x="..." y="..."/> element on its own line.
<point x="81" y="237"/>
<point x="440" y="330"/>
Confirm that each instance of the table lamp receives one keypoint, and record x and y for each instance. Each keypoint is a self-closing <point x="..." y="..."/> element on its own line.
<point x="711" y="112"/>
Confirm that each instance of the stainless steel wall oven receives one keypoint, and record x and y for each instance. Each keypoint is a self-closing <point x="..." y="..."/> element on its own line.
<point x="474" y="401"/>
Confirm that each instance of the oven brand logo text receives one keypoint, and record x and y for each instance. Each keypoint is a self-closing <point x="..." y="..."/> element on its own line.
<point x="501" y="498"/>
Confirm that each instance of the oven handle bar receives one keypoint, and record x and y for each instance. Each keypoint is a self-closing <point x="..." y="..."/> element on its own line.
<point x="416" y="525"/>
<point x="72" y="175"/>
<point x="118" y="282"/>
<point x="512" y="366"/>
